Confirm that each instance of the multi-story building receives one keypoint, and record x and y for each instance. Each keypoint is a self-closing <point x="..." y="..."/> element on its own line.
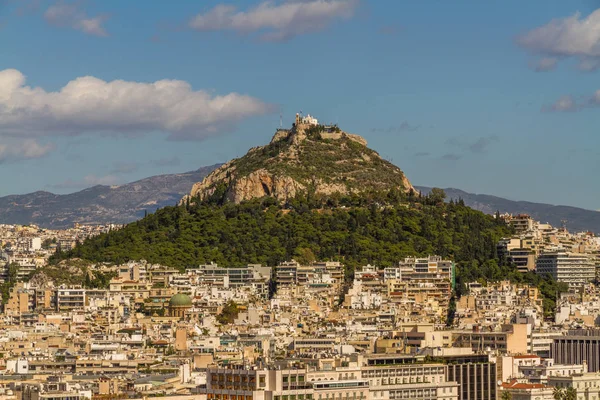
<point x="547" y="368"/>
<point x="70" y="298"/>
<point x="385" y="378"/>
<point x="417" y="279"/>
<point x="522" y="223"/>
<point x="393" y="377"/>
<point x="258" y="384"/>
<point x="518" y="390"/>
<point x="255" y="275"/>
<point x="586" y="384"/>
<point x="578" y="347"/>
<point x="475" y="374"/>
<point x="511" y="339"/>
<point x="520" y="251"/>
<point x="286" y="273"/>
<point x="576" y="269"/>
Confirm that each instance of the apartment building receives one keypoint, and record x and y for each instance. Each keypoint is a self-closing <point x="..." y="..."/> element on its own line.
<point x="393" y="377"/>
<point x="255" y="275"/>
<point x="511" y="339"/>
<point x="586" y="384"/>
<point x="521" y="251"/>
<point x="257" y="384"/>
<point x="377" y="378"/>
<point x="286" y="273"/>
<point x="576" y="269"/>
<point x="70" y="298"/>
<point x="522" y="223"/>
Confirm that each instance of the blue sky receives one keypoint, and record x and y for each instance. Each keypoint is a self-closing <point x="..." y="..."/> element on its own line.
<point x="490" y="97"/>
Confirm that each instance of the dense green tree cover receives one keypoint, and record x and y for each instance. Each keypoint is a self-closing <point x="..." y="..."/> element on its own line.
<point x="12" y="270"/>
<point x="378" y="228"/>
<point x="229" y="313"/>
<point x="354" y="231"/>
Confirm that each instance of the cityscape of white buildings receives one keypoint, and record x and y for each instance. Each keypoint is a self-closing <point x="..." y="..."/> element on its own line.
<point x="300" y="332"/>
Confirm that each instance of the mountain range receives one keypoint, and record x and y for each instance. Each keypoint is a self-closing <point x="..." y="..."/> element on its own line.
<point x="574" y="218"/>
<point x="99" y="204"/>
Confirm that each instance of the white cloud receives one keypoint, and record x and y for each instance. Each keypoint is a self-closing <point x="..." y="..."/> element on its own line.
<point x="276" y="21"/>
<point x="563" y="104"/>
<point x="544" y="64"/>
<point x="589" y="64"/>
<point x="15" y="150"/>
<point x="70" y="15"/>
<point x="574" y="36"/>
<point x="568" y="103"/>
<point x="88" y="105"/>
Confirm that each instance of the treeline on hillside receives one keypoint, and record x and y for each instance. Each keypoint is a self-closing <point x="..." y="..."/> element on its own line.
<point x="355" y="230"/>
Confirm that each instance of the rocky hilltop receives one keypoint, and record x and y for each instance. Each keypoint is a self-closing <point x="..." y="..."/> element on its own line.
<point x="309" y="157"/>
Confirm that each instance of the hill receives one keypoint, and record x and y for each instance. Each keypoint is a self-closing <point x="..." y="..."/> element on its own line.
<point x="99" y="204"/>
<point x="577" y="219"/>
<point x="339" y="201"/>
<point x="317" y="159"/>
<point x="312" y="194"/>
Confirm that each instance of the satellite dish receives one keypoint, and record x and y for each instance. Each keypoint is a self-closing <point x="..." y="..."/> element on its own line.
<point x="499" y="382"/>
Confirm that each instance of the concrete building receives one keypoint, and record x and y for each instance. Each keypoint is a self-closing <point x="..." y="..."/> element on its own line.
<point x="547" y="368"/>
<point x="511" y="339"/>
<point x="522" y="223"/>
<point x="586" y="384"/>
<point x="573" y="268"/>
<point x="577" y="347"/>
<point x="70" y="298"/>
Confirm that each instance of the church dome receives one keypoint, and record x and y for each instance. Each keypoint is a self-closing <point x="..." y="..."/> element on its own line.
<point x="180" y="300"/>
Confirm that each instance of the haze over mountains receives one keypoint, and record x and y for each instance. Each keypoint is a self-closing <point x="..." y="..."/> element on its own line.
<point x="99" y="204"/>
<point x="576" y="219"/>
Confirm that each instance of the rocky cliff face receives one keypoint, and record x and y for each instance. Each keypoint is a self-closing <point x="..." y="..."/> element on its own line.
<point x="306" y="158"/>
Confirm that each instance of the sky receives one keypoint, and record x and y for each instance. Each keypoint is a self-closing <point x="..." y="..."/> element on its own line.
<point x="498" y="98"/>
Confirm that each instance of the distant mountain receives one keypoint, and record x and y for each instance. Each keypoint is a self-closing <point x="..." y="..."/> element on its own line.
<point x="99" y="204"/>
<point x="577" y="219"/>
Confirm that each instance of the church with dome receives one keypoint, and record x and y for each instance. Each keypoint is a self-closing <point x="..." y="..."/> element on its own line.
<point x="179" y="305"/>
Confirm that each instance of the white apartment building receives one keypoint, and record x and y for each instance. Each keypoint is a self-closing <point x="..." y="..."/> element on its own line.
<point x="573" y="268"/>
